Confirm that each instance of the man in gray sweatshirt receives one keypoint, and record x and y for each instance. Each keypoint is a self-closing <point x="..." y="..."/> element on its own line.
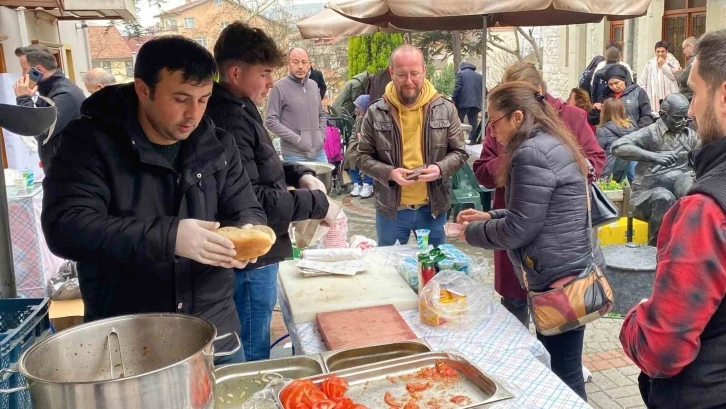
<point x="295" y="112"/>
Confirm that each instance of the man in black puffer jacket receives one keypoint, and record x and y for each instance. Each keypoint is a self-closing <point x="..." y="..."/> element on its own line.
<point x="247" y="58"/>
<point x="138" y="187"/>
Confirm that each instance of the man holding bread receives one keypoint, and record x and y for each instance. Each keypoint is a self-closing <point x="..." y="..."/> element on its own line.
<point x="140" y="185"/>
<point x="247" y="58"/>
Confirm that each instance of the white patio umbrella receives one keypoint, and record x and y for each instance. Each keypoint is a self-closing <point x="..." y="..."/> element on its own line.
<point x="329" y="24"/>
<point x="434" y="15"/>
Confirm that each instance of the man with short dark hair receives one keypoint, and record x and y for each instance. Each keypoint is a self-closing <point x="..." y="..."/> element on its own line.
<point x="97" y="78"/>
<point x="410" y="144"/>
<point x="295" y="112"/>
<point x="247" y="57"/>
<point x="54" y="85"/>
<point x="138" y="188"/>
<point x="467" y="97"/>
<point x="677" y="337"/>
<point x="658" y="78"/>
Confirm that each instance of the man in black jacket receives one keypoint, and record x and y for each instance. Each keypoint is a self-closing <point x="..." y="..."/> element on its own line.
<point x="54" y="85"/>
<point x="467" y="96"/>
<point x="139" y="186"/>
<point x="317" y="76"/>
<point x="247" y="58"/>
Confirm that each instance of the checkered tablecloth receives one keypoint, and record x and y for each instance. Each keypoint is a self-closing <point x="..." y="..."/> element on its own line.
<point x="33" y="262"/>
<point x="500" y="345"/>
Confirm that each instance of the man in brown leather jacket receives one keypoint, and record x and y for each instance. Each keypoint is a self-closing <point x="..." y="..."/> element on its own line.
<point x="411" y="144"/>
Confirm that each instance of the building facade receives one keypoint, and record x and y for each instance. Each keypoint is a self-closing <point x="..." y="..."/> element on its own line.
<point x="568" y="49"/>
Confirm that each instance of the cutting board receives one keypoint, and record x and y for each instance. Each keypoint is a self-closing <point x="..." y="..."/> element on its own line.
<point x="362" y="327"/>
<point x="308" y="296"/>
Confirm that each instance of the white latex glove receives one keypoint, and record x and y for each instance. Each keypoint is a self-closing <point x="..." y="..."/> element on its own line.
<point x="196" y="240"/>
<point x="310" y="182"/>
<point x="332" y="215"/>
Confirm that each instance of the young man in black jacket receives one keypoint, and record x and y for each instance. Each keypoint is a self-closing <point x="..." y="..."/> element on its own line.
<point x="247" y="58"/>
<point x="139" y="186"/>
<point x="54" y="85"/>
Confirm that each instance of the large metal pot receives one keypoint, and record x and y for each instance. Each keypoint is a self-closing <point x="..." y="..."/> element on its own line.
<point x="323" y="171"/>
<point x="145" y="361"/>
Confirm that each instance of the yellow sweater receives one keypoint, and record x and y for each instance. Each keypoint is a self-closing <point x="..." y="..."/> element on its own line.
<point x="411" y="120"/>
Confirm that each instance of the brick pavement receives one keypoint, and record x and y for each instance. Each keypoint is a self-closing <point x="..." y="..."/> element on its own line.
<point x="614" y="382"/>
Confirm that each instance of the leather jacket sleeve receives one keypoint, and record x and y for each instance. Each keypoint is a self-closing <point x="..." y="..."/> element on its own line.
<point x="456" y="155"/>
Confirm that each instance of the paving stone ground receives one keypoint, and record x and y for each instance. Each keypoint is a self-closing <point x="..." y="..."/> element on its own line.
<point x="614" y="382"/>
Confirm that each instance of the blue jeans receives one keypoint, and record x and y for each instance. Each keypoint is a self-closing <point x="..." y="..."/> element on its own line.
<point x="356" y="179"/>
<point x="255" y="295"/>
<point x="631" y="171"/>
<point x="320" y="157"/>
<point x="566" y="352"/>
<point x="408" y="221"/>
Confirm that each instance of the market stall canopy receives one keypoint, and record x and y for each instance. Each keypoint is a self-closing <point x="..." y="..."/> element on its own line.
<point x="433" y="15"/>
<point x="329" y="24"/>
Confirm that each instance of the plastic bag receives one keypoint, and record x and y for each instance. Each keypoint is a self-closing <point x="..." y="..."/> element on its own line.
<point x="308" y="232"/>
<point x="64" y="284"/>
<point x="454" y="300"/>
<point x="264" y="399"/>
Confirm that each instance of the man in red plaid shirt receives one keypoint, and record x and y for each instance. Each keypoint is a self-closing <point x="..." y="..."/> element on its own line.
<point x="678" y="336"/>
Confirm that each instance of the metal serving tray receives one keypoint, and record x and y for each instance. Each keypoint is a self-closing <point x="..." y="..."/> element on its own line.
<point x="354" y="357"/>
<point x="369" y="383"/>
<point x="234" y="384"/>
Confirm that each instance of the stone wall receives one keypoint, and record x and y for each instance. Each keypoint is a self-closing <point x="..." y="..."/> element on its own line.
<point x="555" y="74"/>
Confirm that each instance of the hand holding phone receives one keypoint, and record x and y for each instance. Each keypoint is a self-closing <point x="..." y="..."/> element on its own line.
<point x="22" y="87"/>
<point x="35" y="75"/>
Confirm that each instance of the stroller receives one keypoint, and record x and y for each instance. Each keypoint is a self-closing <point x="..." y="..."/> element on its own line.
<point x="337" y="135"/>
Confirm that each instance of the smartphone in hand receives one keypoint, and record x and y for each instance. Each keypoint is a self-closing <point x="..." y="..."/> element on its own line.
<point x="415" y="175"/>
<point x="35" y="76"/>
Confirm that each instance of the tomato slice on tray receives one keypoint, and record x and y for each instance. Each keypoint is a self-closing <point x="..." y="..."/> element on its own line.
<point x="312" y="395"/>
<point x="343" y="403"/>
<point x="323" y="404"/>
<point x="460" y="400"/>
<point x="334" y="387"/>
<point x="418" y="387"/>
<point x="295" y="396"/>
<point x="411" y="404"/>
<point x="292" y="386"/>
<point x="358" y="406"/>
<point x="391" y="401"/>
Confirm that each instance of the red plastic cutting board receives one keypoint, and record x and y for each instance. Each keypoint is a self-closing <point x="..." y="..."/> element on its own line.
<point x="363" y="326"/>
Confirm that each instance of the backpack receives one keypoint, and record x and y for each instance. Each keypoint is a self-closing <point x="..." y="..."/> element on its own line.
<point x="332" y="145"/>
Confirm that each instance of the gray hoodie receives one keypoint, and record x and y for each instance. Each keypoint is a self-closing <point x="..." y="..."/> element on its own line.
<point x="295" y="114"/>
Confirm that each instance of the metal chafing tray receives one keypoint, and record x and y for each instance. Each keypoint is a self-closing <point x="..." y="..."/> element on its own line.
<point x="234" y="384"/>
<point x="369" y="383"/>
<point x="354" y="357"/>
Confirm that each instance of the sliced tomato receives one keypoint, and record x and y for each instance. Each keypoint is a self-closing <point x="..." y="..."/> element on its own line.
<point x="343" y="403"/>
<point x="391" y="401"/>
<point x="301" y="406"/>
<point x="418" y="387"/>
<point x="334" y="387"/>
<point x="295" y="397"/>
<point x="293" y="385"/>
<point x="460" y="400"/>
<point x="411" y="404"/>
<point x="323" y="404"/>
<point x="358" y="406"/>
<point x="445" y="370"/>
<point x="312" y="395"/>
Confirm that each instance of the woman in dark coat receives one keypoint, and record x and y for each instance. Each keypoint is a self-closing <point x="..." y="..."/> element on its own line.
<point x="487" y="167"/>
<point x="545" y="227"/>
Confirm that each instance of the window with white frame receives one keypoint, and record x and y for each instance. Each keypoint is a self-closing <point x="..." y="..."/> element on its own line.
<point x="189" y="22"/>
<point x="224" y="24"/>
<point x="202" y="41"/>
<point x="217" y="2"/>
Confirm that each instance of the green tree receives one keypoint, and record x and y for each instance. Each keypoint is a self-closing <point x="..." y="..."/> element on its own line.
<point x="445" y="80"/>
<point x="370" y="53"/>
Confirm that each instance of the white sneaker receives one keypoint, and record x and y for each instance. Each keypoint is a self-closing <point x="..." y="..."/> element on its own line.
<point x="356" y="190"/>
<point x="367" y="191"/>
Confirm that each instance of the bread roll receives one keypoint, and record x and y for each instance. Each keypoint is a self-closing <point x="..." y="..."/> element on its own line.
<point x="250" y="242"/>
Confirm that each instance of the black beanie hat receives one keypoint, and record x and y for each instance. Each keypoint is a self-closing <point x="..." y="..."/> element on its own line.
<point x="617" y="71"/>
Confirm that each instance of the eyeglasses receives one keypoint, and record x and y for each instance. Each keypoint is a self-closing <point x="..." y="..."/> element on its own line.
<point x="415" y="75"/>
<point x="490" y="124"/>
